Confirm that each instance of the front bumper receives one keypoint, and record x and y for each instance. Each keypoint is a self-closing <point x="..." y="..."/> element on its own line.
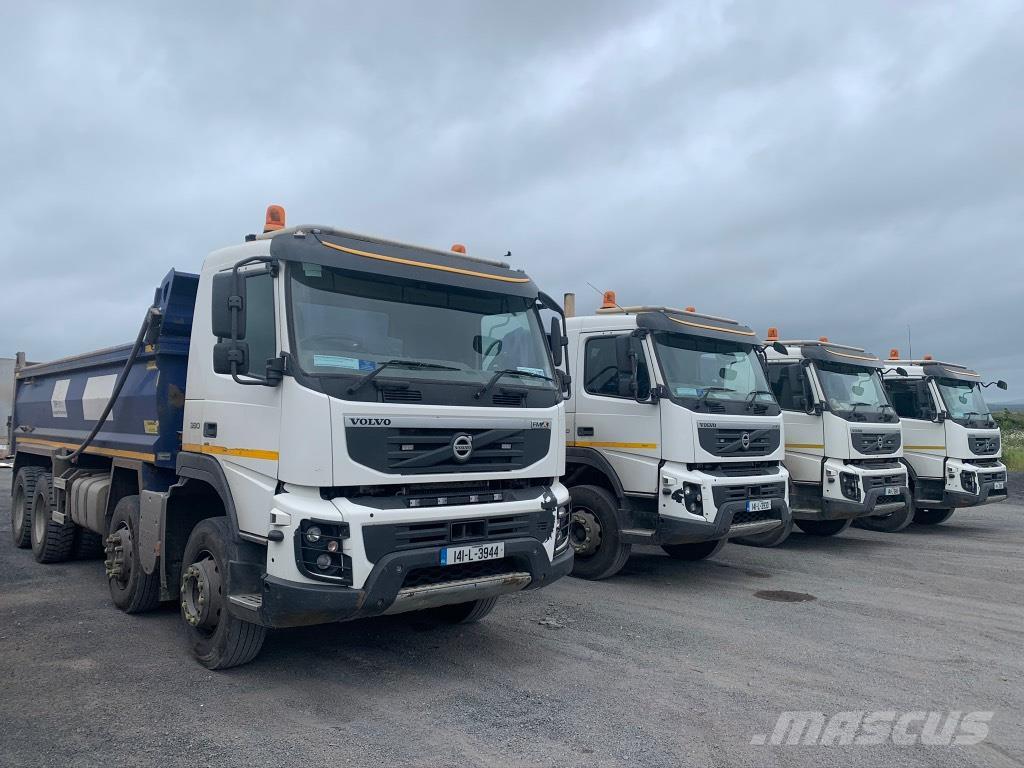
<point x="283" y="603"/>
<point x="987" y="477"/>
<point x="875" y="502"/>
<point x="674" y="530"/>
<point x="825" y="501"/>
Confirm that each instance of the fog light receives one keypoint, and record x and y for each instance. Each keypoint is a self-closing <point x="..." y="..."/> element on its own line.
<point x="693" y="499"/>
<point x="323" y="562"/>
<point x="969" y="481"/>
<point x="332" y="546"/>
<point x="313" y="534"/>
<point x="562" y="529"/>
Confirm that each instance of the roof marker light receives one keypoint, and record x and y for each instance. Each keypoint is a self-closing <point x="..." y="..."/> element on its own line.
<point x="773" y="334"/>
<point x="608" y="301"/>
<point x="458" y="248"/>
<point x="823" y="338"/>
<point x="275" y="218"/>
<point x="894" y="354"/>
<point x="690" y="309"/>
<point x="928" y="357"/>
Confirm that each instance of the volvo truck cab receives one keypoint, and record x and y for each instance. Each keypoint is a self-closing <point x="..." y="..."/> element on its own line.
<point x="674" y="438"/>
<point x="952" y="444"/>
<point x="843" y="437"/>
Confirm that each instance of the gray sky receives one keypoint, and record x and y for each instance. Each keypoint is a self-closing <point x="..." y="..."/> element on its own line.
<point x="831" y="168"/>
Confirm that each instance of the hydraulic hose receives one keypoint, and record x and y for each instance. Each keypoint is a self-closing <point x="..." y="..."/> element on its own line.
<point x="152" y="316"/>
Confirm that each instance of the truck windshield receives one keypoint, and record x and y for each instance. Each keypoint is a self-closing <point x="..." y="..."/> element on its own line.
<point x="965" y="404"/>
<point x="855" y="393"/>
<point x="712" y="375"/>
<point x="350" y="324"/>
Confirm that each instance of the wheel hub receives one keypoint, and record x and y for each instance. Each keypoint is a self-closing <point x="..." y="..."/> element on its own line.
<point x="118" y="547"/>
<point x="584" y="532"/>
<point x="201" y="594"/>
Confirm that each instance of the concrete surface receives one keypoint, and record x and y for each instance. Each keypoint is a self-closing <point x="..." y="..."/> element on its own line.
<point x="667" y="664"/>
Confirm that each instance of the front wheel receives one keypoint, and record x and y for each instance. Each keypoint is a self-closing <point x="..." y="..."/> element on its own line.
<point x="218" y="639"/>
<point x="770" y="538"/>
<point x="932" y="516"/>
<point x="464" y="613"/>
<point x="823" y="527"/>
<point x="595" y="534"/>
<point x="890" y="523"/>
<point x="698" y="550"/>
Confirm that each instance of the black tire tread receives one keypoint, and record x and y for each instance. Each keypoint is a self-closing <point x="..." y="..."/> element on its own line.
<point x="144" y="594"/>
<point x="823" y="528"/>
<point x="617" y="560"/>
<point x="693" y="551"/>
<point x="59" y="538"/>
<point x="88" y="545"/>
<point x="932" y="516"/>
<point x="28" y="477"/>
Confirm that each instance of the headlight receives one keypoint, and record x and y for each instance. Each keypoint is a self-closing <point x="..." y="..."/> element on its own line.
<point x="969" y="481"/>
<point x="850" y="485"/>
<point x="693" y="499"/>
<point x="319" y="551"/>
<point x="562" y="528"/>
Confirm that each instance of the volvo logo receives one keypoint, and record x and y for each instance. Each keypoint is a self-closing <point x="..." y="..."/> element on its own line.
<point x="745" y="440"/>
<point x="881" y="442"/>
<point x="462" y="447"/>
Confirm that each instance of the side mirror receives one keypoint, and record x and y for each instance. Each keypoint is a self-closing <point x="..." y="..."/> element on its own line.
<point x="902" y="372"/>
<point x="227" y="352"/>
<point x="782" y="349"/>
<point x="556" y="341"/>
<point x="225" y="300"/>
<point x="727" y="374"/>
<point x="941" y="416"/>
<point x="485" y="345"/>
<point x="1001" y="384"/>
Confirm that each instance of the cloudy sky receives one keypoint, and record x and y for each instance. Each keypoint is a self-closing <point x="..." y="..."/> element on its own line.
<point x="846" y="169"/>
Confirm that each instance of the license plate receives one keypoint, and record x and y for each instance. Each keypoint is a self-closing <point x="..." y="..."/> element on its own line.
<point x="892" y="490"/>
<point x="472" y="554"/>
<point x="759" y="506"/>
<point x="999" y="485"/>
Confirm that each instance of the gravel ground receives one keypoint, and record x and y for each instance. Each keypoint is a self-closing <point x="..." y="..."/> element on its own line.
<point x="667" y="664"/>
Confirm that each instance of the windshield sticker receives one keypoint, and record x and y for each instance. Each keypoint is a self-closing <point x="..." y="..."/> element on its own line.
<point x="687" y="391"/>
<point x="312" y="270"/>
<point x="525" y="369"/>
<point x="336" y="361"/>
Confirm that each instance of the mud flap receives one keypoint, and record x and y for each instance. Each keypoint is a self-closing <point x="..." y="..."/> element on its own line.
<point x="152" y="506"/>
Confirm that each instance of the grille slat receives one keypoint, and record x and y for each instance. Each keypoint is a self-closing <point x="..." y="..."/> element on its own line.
<point x="736" y="441"/>
<point x="983" y="446"/>
<point x="409" y="450"/>
<point x="871" y="443"/>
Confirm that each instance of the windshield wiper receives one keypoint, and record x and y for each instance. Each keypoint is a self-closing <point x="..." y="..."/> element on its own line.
<point x="407" y="363"/>
<point x="968" y="414"/>
<point x="753" y="396"/>
<point x="508" y="372"/>
<point x="855" y="406"/>
<point x="708" y="390"/>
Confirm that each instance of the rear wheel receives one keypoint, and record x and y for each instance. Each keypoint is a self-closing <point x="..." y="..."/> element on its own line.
<point x="88" y="545"/>
<point x="932" y="516"/>
<point x="465" y="613"/>
<point x="51" y="541"/>
<point x="823" y="527"/>
<point x="890" y="523"/>
<point x="218" y="639"/>
<point x="22" y="495"/>
<point x="594" y="533"/>
<point x="697" y="550"/>
<point x="770" y="538"/>
<point x="131" y="589"/>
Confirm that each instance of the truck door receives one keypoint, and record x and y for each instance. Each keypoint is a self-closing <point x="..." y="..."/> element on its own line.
<point x="608" y="417"/>
<point x="240" y="423"/>
<point x="924" y="438"/>
<point x="805" y="430"/>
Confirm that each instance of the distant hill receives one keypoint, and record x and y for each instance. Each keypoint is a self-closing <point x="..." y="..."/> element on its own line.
<point x="1016" y="407"/>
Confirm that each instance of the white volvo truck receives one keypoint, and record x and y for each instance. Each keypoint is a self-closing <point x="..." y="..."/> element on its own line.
<point x="674" y="437"/>
<point x="843" y="438"/>
<point x="952" y="443"/>
<point x="319" y="426"/>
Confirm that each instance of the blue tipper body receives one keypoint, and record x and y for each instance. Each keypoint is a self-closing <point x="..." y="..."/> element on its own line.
<point x="146" y="420"/>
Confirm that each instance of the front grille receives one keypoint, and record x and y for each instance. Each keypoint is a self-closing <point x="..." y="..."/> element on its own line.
<point x="869" y="443"/>
<point x="401" y="395"/>
<point x="414" y="450"/>
<point x="380" y="540"/>
<point x="992" y="477"/>
<point x="983" y="446"/>
<point x="746" y="516"/>
<point x="725" y="493"/>
<point x="739" y="468"/>
<point x="738" y="442"/>
<point x="881" y="481"/>
<point x="877" y="463"/>
<point x="441" y="574"/>
<point x="509" y="400"/>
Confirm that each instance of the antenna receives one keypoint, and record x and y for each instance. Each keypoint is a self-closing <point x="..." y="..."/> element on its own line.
<point x="602" y="294"/>
<point x="910" y="345"/>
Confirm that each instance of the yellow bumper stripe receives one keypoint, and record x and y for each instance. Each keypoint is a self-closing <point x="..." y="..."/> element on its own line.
<point x="242" y="453"/>
<point x="114" y="452"/>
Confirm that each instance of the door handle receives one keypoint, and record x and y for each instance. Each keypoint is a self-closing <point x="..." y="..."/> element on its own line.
<point x="209" y="429"/>
<point x="584" y="431"/>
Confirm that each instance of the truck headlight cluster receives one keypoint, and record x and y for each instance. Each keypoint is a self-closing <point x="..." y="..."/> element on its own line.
<point x="850" y="485"/>
<point x="969" y="481"/>
<point x="693" y="499"/>
<point x="562" y="529"/>
<point x="318" y="550"/>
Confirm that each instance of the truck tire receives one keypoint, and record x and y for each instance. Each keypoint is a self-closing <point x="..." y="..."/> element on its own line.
<point x="594" y="533"/>
<point x="823" y="527"/>
<point x="465" y="613"/>
<point x="697" y="550"/>
<point x="23" y="493"/>
<point x="131" y="589"/>
<point x="51" y="541"/>
<point x="932" y="516"/>
<point x="217" y="638"/>
<point x="891" y="523"/>
<point x="88" y="545"/>
<point x="769" y="539"/>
